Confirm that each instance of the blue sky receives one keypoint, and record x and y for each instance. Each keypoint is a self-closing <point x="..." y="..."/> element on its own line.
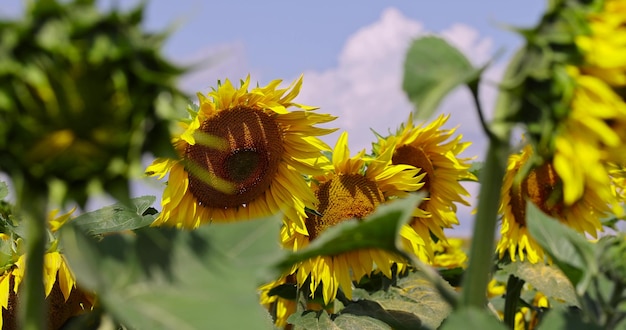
<point x="350" y="53"/>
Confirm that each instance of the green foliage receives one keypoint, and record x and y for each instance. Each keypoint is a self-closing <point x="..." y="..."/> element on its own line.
<point x="595" y="270"/>
<point x="159" y="278"/>
<point x="472" y="318"/>
<point x="413" y="302"/>
<point x="4" y="190"/>
<point x="83" y="95"/>
<point x="432" y="69"/>
<point x="118" y="217"/>
<point x="417" y="295"/>
<point x="568" y="249"/>
<point x="546" y="279"/>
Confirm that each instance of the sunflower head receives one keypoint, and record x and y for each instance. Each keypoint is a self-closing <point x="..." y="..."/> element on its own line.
<point x="84" y="96"/>
<point x="64" y="298"/>
<point x="435" y="152"/>
<point x="349" y="191"/>
<point x="542" y="186"/>
<point x="242" y="155"/>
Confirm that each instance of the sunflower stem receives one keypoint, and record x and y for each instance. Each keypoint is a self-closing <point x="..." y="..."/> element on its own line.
<point x="483" y="239"/>
<point x="32" y="309"/>
<point x="513" y="290"/>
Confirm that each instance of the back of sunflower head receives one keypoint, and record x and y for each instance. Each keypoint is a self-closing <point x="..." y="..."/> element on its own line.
<point x="83" y="94"/>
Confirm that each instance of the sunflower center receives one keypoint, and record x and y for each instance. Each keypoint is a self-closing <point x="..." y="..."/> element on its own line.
<point x="415" y="156"/>
<point x="247" y="164"/>
<point x="541" y="186"/>
<point x="343" y="197"/>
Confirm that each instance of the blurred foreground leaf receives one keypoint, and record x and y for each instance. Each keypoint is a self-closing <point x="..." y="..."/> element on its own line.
<point x="472" y="318"/>
<point x="378" y="230"/>
<point x="432" y="69"/>
<point x="569" y="319"/>
<point x="118" y="217"/>
<point x="162" y="278"/>
<point x="568" y="249"/>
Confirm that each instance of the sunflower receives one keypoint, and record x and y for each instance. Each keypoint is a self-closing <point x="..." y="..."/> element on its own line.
<point x="595" y="128"/>
<point x="449" y="254"/>
<point x="242" y="156"/>
<point x="435" y="152"/>
<point x="352" y="188"/>
<point x="596" y="124"/>
<point x="63" y="296"/>
<point x="544" y="187"/>
<point x="601" y="48"/>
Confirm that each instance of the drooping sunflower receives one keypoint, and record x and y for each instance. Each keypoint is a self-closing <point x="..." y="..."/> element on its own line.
<point x="242" y="155"/>
<point x="64" y="298"/>
<point x="544" y="187"/>
<point x="436" y="153"/>
<point x="352" y="188"/>
<point x="595" y="128"/>
<point x="596" y="123"/>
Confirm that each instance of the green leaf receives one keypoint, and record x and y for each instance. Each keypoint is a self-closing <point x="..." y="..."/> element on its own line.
<point x="364" y="322"/>
<point x="118" y="217"/>
<point x="432" y="69"/>
<point x="569" y="250"/>
<point x="472" y="318"/>
<point x="547" y="279"/>
<point x="569" y="319"/>
<point x="4" y="190"/>
<point x="379" y="230"/>
<point x="398" y="320"/>
<point x="416" y="295"/>
<point x="311" y="320"/>
<point x="160" y="278"/>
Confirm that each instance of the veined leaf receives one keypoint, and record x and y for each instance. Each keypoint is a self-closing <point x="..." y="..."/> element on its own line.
<point x="569" y="250"/>
<point x="432" y="69"/>
<point x="117" y="217"/>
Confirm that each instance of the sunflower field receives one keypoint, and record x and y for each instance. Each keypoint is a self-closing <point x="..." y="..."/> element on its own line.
<point x="263" y="225"/>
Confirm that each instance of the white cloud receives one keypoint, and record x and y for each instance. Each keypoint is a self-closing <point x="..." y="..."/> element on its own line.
<point x="365" y="89"/>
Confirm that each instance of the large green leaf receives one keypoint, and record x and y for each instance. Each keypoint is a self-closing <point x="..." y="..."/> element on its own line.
<point x="118" y="217"/>
<point x="396" y="319"/>
<point x="415" y="294"/>
<point x="312" y="321"/>
<point x="472" y="318"/>
<point x="379" y="230"/>
<point x="566" y="319"/>
<point x="158" y="278"/>
<point x="569" y="250"/>
<point x="547" y="279"/>
<point x="432" y="69"/>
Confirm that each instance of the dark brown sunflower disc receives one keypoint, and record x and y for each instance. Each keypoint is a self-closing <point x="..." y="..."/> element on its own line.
<point x="539" y="186"/>
<point x="248" y="163"/>
<point x="410" y="155"/>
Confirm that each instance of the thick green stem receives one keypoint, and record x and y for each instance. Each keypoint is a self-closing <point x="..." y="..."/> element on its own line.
<point x="513" y="290"/>
<point x="483" y="239"/>
<point x="32" y="309"/>
<point x="482" y="247"/>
